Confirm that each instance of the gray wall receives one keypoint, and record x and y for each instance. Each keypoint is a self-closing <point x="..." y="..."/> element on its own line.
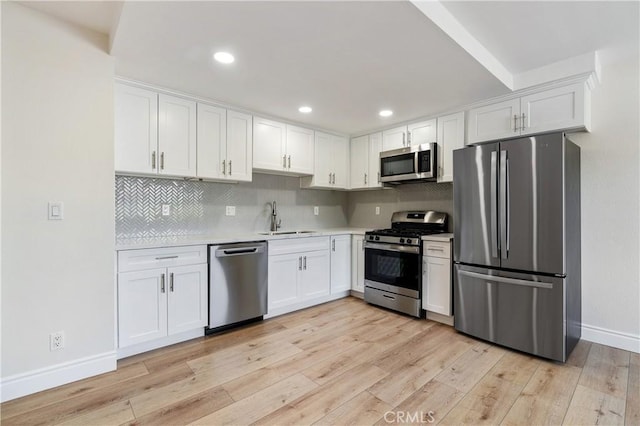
<point x="199" y="207"/>
<point x="419" y="196"/>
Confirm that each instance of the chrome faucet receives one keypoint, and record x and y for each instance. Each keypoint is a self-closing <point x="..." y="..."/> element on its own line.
<point x="275" y="222"/>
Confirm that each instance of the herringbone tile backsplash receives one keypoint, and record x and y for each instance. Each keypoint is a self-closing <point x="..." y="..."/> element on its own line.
<point x="199" y="207"/>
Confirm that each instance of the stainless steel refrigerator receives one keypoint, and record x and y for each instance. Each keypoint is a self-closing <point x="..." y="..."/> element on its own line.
<point x="517" y="243"/>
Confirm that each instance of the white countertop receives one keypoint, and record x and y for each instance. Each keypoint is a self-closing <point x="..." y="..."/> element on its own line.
<point x="228" y="237"/>
<point x="445" y="238"/>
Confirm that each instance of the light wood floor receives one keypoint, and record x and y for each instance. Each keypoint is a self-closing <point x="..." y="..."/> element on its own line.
<point x="345" y="362"/>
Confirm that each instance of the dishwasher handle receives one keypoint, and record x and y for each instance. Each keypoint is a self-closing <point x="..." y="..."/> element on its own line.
<point x="239" y="251"/>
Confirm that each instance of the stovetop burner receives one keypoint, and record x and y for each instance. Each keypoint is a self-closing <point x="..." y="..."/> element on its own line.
<point x="407" y="227"/>
<point x="416" y="233"/>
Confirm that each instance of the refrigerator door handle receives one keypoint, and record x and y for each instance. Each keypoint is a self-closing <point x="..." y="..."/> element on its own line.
<point x="504" y="280"/>
<point x="493" y="229"/>
<point x="508" y="204"/>
<point x="504" y="223"/>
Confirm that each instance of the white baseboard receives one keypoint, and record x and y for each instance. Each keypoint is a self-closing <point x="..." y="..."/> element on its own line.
<point x="616" y="339"/>
<point x="306" y="304"/>
<point x="160" y="343"/>
<point x="444" y="319"/>
<point x="56" y="375"/>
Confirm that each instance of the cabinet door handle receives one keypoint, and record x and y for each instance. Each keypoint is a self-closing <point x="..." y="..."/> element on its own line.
<point x="408" y="138"/>
<point x="515" y="123"/>
<point x="333" y="245"/>
<point x="289" y="159"/>
<point x="403" y="139"/>
<point x="522" y="122"/>
<point x="365" y="178"/>
<point x="329" y="178"/>
<point x="229" y="167"/>
<point x="161" y="283"/>
<point x="284" y="161"/>
<point x="378" y="177"/>
<point x="166" y="257"/>
<point x="153" y="160"/>
<point x="224" y="167"/>
<point x="334" y="179"/>
<point x="171" y="282"/>
<point x="305" y="263"/>
<point x="300" y="263"/>
<point x="162" y="161"/>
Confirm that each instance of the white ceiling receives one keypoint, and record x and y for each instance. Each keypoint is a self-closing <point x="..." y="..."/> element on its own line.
<point x="347" y="60"/>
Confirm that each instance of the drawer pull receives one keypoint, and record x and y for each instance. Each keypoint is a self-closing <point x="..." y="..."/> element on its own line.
<point x="166" y="257"/>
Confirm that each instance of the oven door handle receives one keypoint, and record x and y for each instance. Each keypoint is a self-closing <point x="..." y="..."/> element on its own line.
<point x="392" y="247"/>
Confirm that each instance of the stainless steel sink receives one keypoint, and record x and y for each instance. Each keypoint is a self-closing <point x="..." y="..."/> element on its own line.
<point x="285" y="232"/>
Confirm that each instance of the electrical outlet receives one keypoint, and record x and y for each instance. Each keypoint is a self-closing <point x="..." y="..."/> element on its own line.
<point x="231" y="210"/>
<point x="56" y="210"/>
<point x="316" y="210"/>
<point x="377" y="210"/>
<point x="166" y="210"/>
<point x="56" y="341"/>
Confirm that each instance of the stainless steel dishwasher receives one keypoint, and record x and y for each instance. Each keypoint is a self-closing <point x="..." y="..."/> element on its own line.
<point x="237" y="283"/>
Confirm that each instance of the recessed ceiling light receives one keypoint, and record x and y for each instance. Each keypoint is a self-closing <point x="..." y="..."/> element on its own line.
<point x="305" y="109"/>
<point x="386" y="113"/>
<point x="224" y="57"/>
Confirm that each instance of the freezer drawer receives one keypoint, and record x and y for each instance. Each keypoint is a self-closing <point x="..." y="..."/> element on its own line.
<point x="521" y="311"/>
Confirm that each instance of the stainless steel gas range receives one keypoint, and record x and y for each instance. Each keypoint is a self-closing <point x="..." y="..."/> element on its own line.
<point x="393" y="260"/>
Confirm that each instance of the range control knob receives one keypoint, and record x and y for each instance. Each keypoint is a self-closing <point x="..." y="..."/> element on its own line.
<point x="377" y="238"/>
<point x="408" y="241"/>
<point x="371" y="237"/>
<point x="401" y="240"/>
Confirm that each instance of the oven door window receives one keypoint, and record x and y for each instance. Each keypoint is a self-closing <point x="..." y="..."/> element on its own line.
<point x="403" y="164"/>
<point x="393" y="268"/>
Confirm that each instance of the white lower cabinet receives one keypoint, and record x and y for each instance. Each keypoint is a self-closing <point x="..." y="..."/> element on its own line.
<point x="158" y="301"/>
<point x="340" y="263"/>
<point x="307" y="271"/>
<point x="357" y="263"/>
<point x="436" y="278"/>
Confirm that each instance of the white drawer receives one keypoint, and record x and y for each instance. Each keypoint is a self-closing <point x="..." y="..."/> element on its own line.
<point x="298" y="245"/>
<point x="435" y="249"/>
<point x="137" y="260"/>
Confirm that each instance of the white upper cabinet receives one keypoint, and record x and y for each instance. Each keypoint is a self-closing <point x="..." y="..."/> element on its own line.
<point x="375" y="147"/>
<point x="136" y="129"/>
<point x="359" y="162"/>
<point x="239" y="146"/>
<point x="282" y="149"/>
<point x="365" y="161"/>
<point x="561" y="108"/>
<point x="413" y="134"/>
<point x="225" y="144"/>
<point x="154" y="134"/>
<point x="176" y="136"/>
<point x="422" y="132"/>
<point x="330" y="163"/>
<point x="300" y="150"/>
<point x="212" y="141"/>
<point x="269" y="144"/>
<point x="493" y="121"/>
<point x="450" y="137"/>
<point x="394" y="138"/>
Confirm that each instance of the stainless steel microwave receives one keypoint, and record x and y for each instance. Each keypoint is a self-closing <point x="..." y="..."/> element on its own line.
<point x="413" y="163"/>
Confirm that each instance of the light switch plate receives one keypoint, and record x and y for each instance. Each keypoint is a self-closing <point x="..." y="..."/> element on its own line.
<point x="166" y="209"/>
<point x="231" y="210"/>
<point x="316" y="210"/>
<point x="377" y="210"/>
<point x="56" y="210"/>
